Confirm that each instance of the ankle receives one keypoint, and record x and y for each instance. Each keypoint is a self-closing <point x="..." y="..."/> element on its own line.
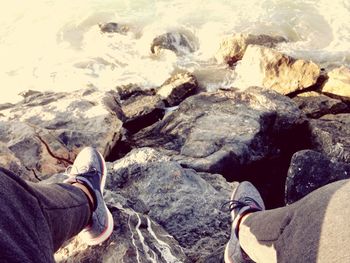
<point x="87" y="193"/>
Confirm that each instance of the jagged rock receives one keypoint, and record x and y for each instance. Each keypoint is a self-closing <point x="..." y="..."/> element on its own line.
<point x="147" y="192"/>
<point x="113" y="27"/>
<point x="174" y="41"/>
<point x="310" y="170"/>
<point x="261" y="66"/>
<point x="223" y="131"/>
<point x="127" y="91"/>
<point x="338" y="83"/>
<point x="46" y="130"/>
<point x="141" y="111"/>
<point x="9" y="161"/>
<point x="330" y="135"/>
<point x="315" y="105"/>
<point x="175" y="89"/>
<point x="125" y="244"/>
<point x="232" y="48"/>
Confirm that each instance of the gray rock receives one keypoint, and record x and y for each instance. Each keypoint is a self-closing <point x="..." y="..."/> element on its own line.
<point x="175" y="89"/>
<point x="265" y="67"/>
<point x="310" y="170"/>
<point x="330" y="135"/>
<point x="161" y="211"/>
<point x="224" y="131"/>
<point x="178" y="42"/>
<point x="127" y="91"/>
<point x="315" y="105"/>
<point x="46" y="130"/>
<point x="232" y="48"/>
<point x="112" y="27"/>
<point x="141" y="111"/>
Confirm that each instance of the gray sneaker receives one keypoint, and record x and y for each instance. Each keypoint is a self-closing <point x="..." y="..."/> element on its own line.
<point x="89" y="169"/>
<point x="244" y="199"/>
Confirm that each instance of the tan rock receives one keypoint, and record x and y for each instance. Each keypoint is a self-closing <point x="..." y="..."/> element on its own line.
<point x="232" y="48"/>
<point x="338" y="83"/>
<point x="271" y="69"/>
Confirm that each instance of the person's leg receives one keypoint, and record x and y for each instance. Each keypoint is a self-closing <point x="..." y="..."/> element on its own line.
<point x="35" y="219"/>
<point x="314" y="229"/>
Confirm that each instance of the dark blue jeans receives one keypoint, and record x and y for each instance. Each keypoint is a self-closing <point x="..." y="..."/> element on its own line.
<point x="37" y="218"/>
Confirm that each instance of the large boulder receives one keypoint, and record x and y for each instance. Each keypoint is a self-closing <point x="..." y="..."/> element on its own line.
<point x="315" y="105"/>
<point x="338" y="83"/>
<point x="161" y="211"/>
<point x="310" y="170"/>
<point x="262" y="66"/>
<point x="330" y="135"/>
<point x="232" y="48"/>
<point x="177" y="88"/>
<point x="46" y="130"/>
<point x="177" y="42"/>
<point x="224" y="131"/>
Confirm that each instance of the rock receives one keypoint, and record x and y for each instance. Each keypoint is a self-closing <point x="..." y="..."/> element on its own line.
<point x="46" y="130"/>
<point x="330" y="135"/>
<point x="338" y="83"/>
<point x="9" y="161"/>
<point x="232" y="48"/>
<point x="224" y="131"/>
<point x="268" y="68"/>
<point x="161" y="211"/>
<point x="113" y="27"/>
<point x="174" y="41"/>
<point x="141" y="111"/>
<point x="175" y="89"/>
<point x="310" y="170"/>
<point x="127" y="91"/>
<point x="136" y="238"/>
<point x="315" y="105"/>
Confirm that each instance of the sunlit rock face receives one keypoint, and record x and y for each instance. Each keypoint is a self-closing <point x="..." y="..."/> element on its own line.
<point x="221" y="132"/>
<point x="177" y="88"/>
<point x="232" y="48"/>
<point x="268" y="68"/>
<point x="162" y="213"/>
<point x="338" y="83"/>
<point x="46" y="130"/>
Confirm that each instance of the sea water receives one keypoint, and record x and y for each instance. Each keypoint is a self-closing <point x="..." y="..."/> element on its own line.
<point x="57" y="44"/>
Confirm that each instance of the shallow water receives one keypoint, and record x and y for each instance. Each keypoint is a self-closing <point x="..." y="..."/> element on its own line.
<point x="57" y="45"/>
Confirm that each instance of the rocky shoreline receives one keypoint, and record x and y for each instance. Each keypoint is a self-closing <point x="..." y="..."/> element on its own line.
<point x="175" y="152"/>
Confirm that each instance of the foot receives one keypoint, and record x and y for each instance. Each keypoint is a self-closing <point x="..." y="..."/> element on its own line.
<point x="245" y="199"/>
<point x="89" y="169"/>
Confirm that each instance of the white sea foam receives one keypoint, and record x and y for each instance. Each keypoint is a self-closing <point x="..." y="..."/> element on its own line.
<point x="57" y="45"/>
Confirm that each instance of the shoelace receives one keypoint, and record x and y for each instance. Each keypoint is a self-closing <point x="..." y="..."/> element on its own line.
<point x="238" y="204"/>
<point x="81" y="170"/>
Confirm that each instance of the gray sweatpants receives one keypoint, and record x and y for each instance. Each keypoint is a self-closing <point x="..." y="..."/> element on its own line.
<point x="35" y="219"/>
<point x="314" y="229"/>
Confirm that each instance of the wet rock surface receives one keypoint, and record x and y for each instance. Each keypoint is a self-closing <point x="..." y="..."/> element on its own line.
<point x="177" y="42"/>
<point x="310" y="170"/>
<point x="232" y="48"/>
<point x="113" y="27"/>
<point x="273" y="70"/>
